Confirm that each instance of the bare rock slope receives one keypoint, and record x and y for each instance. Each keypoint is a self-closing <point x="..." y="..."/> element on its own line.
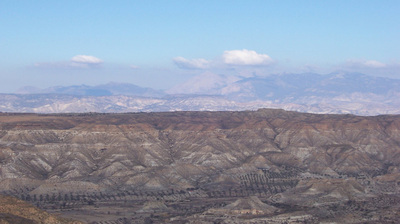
<point x="192" y="162"/>
<point x="15" y="211"/>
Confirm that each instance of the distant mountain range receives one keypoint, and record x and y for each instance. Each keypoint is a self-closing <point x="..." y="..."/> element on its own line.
<point x="289" y="87"/>
<point x="333" y="93"/>
<point x="109" y="89"/>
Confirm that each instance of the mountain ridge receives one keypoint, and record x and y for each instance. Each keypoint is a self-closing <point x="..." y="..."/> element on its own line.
<point x="333" y="93"/>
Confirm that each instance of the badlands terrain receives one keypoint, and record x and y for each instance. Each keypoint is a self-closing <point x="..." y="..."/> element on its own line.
<point x="264" y="166"/>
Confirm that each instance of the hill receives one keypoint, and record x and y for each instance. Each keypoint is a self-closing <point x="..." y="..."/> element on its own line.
<point x="16" y="211"/>
<point x="109" y="165"/>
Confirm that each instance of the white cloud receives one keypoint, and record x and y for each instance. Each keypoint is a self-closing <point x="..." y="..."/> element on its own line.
<point x="184" y="63"/>
<point x="365" y="64"/>
<point x="374" y="64"/>
<point x="234" y="57"/>
<point x="245" y="57"/>
<point x="78" y="61"/>
<point x="86" y="59"/>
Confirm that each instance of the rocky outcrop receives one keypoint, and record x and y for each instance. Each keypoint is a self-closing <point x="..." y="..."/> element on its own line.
<point x="14" y="211"/>
<point x="250" y="205"/>
<point x="316" y="191"/>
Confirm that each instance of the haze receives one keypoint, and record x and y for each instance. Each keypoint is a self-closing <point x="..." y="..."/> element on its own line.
<point x="160" y="44"/>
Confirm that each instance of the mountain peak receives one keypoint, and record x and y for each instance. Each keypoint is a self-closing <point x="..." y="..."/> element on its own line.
<point x="205" y="83"/>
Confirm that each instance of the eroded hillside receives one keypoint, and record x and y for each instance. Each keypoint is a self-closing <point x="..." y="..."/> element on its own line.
<point x="186" y="166"/>
<point x="15" y="211"/>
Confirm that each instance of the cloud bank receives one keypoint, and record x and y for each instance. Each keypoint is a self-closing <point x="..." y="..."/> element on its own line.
<point x="365" y="64"/>
<point x="371" y="67"/>
<point x="78" y="61"/>
<point x="85" y="61"/>
<point x="245" y="57"/>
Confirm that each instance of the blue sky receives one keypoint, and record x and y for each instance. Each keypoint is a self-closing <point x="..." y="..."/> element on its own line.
<point x="161" y="43"/>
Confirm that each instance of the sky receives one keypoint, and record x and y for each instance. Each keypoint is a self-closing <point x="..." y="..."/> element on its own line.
<point x="160" y="43"/>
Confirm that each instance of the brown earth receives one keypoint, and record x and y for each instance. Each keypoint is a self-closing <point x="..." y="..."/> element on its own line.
<point x="112" y="165"/>
<point x="14" y="211"/>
